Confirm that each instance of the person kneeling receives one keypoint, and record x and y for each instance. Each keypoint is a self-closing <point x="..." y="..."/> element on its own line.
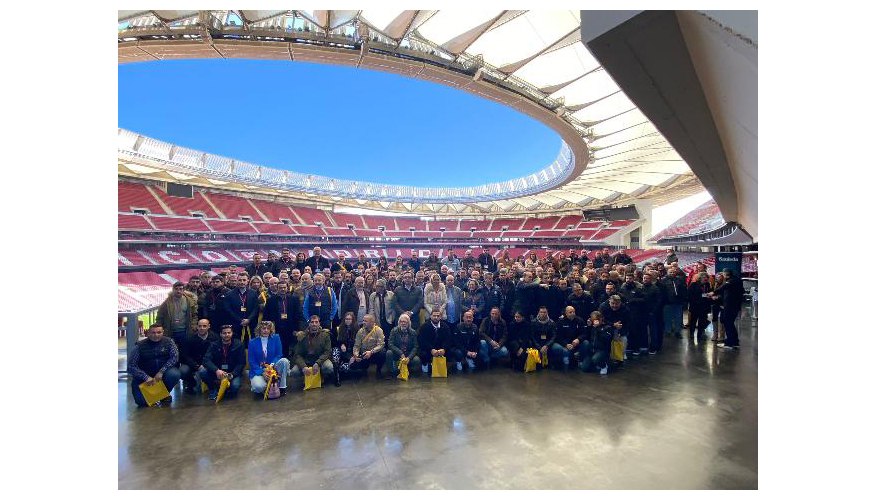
<point x="403" y="346"/>
<point x="596" y="350"/>
<point x="434" y="339"/>
<point x="465" y="342"/>
<point x="519" y="335"/>
<point x="312" y="352"/>
<point x="152" y="360"/>
<point x="266" y="350"/>
<point x="368" y="348"/>
<point x="223" y="360"/>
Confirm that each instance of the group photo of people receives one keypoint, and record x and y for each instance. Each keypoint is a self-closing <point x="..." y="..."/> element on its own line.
<point x="283" y="318"/>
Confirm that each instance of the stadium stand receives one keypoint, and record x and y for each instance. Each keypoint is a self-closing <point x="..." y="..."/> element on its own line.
<point x="344" y="220"/>
<point x="230" y="226"/>
<point x="374" y="222"/>
<point x="703" y="218"/>
<point x="467" y="225"/>
<point x="273" y="228"/>
<point x="186" y="206"/>
<point x="126" y="221"/>
<point x="510" y="224"/>
<point x="179" y="224"/>
<point x="233" y="207"/>
<point x="404" y="223"/>
<point x="274" y="212"/>
<point x="568" y="222"/>
<point x="135" y="196"/>
<point x="311" y="216"/>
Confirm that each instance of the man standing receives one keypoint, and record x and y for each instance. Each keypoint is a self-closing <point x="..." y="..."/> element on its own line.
<point x="414" y="262"/>
<point x="241" y="307"/>
<point x="732" y="294"/>
<point x="675" y="298"/>
<point x="191" y="359"/>
<point x="492" y="294"/>
<point x="671" y="257"/>
<point x="622" y="258"/>
<point x="341" y="264"/>
<point x="652" y="295"/>
<point x="178" y="313"/>
<point x="317" y="262"/>
<point x="454" y="305"/>
<point x="257" y="268"/>
<point x="223" y="360"/>
<point x="408" y="299"/>
<point x="318" y="301"/>
<point x="581" y="301"/>
<point x="468" y="260"/>
<point x="284" y="311"/>
<point x="486" y="260"/>
<point x="382" y="306"/>
<point x="356" y="301"/>
<point x="451" y="261"/>
<point x="284" y="264"/>
<point x="211" y="302"/>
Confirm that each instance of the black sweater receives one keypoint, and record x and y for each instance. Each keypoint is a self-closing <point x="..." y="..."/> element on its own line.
<point x="194" y="348"/>
<point x="235" y="358"/>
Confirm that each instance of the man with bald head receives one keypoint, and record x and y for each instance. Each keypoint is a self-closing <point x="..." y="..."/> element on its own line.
<point x="317" y="262"/>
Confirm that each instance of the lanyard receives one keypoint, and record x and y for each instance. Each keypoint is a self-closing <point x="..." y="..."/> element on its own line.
<point x="225" y="349"/>
<point x="242" y="298"/>
<point x="283" y="304"/>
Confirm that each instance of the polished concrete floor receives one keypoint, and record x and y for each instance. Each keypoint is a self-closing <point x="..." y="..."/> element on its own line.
<point x="685" y="419"/>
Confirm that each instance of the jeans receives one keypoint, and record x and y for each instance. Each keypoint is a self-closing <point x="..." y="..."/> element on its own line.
<point x="170" y="379"/>
<point x="209" y="377"/>
<point x="326" y="370"/>
<point x="258" y="384"/>
<point x="378" y="358"/>
<point x="591" y="360"/>
<point x="186" y="373"/>
<point x="672" y="315"/>
<point x="413" y="364"/>
<point x="489" y="353"/>
<point x="457" y="355"/>
<point x="559" y="353"/>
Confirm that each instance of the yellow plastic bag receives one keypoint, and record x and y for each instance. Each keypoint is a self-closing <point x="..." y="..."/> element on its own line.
<point x="544" y="359"/>
<point x="154" y="393"/>
<point x="439" y="367"/>
<point x="532" y="359"/>
<point x="204" y="387"/>
<point x="313" y="381"/>
<point x="403" y="373"/>
<point x="222" y="387"/>
<point x="617" y="350"/>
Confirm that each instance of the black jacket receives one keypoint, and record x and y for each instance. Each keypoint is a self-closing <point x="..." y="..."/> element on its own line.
<point x="582" y="305"/>
<point x="431" y="338"/>
<point x="623" y="315"/>
<point x="232" y="305"/>
<point x="351" y="303"/>
<point x="493" y="331"/>
<point x="698" y="303"/>
<point x="487" y="261"/>
<point x="289" y="305"/>
<point x="675" y="290"/>
<point x="524" y="298"/>
<point x="263" y="268"/>
<point x="465" y="338"/>
<point x="235" y="358"/>
<point x="519" y="336"/>
<point x="600" y="337"/>
<point x="652" y="295"/>
<point x="568" y="330"/>
<point x="317" y="263"/>
<point x="732" y="293"/>
<point x="194" y="348"/>
<point x="543" y="334"/>
<point x="210" y="305"/>
<point x="622" y="259"/>
<point x="558" y="301"/>
<point x="284" y="266"/>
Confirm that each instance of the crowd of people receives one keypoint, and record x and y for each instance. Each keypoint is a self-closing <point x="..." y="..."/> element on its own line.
<point x="297" y="316"/>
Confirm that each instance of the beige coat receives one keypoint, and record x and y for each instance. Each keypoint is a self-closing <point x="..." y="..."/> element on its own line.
<point x="390" y="307"/>
<point x="435" y="300"/>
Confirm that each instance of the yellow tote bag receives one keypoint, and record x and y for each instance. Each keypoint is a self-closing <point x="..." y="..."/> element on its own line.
<point x="544" y="359"/>
<point x="155" y="392"/>
<point x="532" y="360"/>
<point x="313" y="381"/>
<point x="439" y="367"/>
<point x="222" y="387"/>
<point x="617" y="350"/>
<point x="403" y="373"/>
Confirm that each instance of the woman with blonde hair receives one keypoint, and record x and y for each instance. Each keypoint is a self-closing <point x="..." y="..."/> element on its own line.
<point x="435" y="296"/>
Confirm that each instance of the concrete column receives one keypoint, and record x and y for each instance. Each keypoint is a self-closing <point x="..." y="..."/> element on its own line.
<point x="645" y="212"/>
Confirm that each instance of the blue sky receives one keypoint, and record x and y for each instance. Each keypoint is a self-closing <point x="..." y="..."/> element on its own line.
<point x="335" y="121"/>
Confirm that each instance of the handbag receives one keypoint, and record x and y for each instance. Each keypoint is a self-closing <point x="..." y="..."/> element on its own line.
<point x="313" y="381"/>
<point x="617" y="349"/>
<point x="403" y="373"/>
<point x="439" y="367"/>
<point x="156" y="392"/>
<point x="533" y="357"/>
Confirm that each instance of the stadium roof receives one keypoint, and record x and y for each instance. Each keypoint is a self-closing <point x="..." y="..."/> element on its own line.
<point x="532" y="61"/>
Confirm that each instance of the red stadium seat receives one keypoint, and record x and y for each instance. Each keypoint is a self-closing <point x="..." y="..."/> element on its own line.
<point x="133" y="222"/>
<point x="186" y="206"/>
<point x="135" y="196"/>
<point x="233" y="207"/>
<point x="179" y="224"/>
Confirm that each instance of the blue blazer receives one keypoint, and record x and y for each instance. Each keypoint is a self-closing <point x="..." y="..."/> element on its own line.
<point x="256" y="355"/>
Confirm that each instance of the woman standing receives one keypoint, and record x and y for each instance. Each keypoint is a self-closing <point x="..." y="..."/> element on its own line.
<point x="700" y="305"/>
<point x="300" y="262"/>
<point x="435" y="296"/>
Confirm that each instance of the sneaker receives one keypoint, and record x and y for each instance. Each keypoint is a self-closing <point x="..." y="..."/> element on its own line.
<point x="652" y="352"/>
<point x="635" y="354"/>
<point x="458" y="366"/>
<point x="188" y="389"/>
<point x="166" y="401"/>
<point x="213" y="395"/>
<point x="282" y="391"/>
<point x="603" y="371"/>
<point x="424" y="368"/>
<point x="642" y="349"/>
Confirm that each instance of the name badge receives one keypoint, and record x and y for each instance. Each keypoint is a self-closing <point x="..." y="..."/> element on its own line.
<point x="284" y="316"/>
<point x="543" y="337"/>
<point x="318" y="304"/>
<point x="243" y="309"/>
<point x="224" y="367"/>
